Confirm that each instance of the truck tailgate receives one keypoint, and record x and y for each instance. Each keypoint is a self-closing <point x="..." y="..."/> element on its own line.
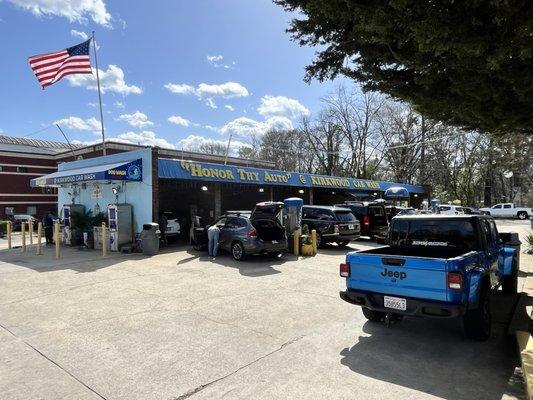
<point x="417" y="277"/>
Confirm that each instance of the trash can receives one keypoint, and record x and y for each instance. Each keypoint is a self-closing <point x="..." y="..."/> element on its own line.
<point x="150" y="239"/>
<point x="511" y="239"/>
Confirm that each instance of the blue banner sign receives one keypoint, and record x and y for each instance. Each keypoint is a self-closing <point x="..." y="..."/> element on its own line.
<point x="191" y="170"/>
<point x="125" y="171"/>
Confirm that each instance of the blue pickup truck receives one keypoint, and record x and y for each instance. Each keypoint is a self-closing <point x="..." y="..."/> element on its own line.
<point x="434" y="266"/>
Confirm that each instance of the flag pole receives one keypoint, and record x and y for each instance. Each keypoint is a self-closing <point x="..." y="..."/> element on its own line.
<point x="99" y="96"/>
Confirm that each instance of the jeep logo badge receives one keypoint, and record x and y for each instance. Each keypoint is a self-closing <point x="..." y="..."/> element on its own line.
<point x="393" y="274"/>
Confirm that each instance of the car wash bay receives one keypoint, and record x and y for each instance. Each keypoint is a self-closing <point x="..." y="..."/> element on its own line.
<point x="189" y="188"/>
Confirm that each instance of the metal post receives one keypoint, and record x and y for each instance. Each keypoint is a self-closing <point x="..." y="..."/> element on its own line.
<point x="9" y="230"/>
<point x="99" y="96"/>
<point x="56" y="239"/>
<point x="30" y="226"/>
<point x="23" y="228"/>
<point x="313" y="239"/>
<point x="104" y="240"/>
<point x="38" y="252"/>
<point x="296" y="242"/>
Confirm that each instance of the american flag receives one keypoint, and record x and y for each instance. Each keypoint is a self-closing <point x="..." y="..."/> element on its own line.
<point x="51" y="67"/>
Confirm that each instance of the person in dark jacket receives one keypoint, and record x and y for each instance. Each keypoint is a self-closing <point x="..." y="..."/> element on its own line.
<point x="48" y="224"/>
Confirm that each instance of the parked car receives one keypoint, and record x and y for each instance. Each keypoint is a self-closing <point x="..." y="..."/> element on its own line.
<point x="507" y="210"/>
<point x="437" y="266"/>
<point x="332" y="224"/>
<point x="450" y="209"/>
<point x="18" y="219"/>
<point x="372" y="216"/>
<point x="173" y="226"/>
<point x="472" y="211"/>
<point x="244" y="233"/>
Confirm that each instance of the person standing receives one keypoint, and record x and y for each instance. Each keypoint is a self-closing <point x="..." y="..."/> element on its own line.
<point x="163" y="223"/>
<point x="213" y="234"/>
<point x="48" y="224"/>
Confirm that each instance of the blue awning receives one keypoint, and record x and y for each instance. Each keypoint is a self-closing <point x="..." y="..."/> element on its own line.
<point x="122" y="171"/>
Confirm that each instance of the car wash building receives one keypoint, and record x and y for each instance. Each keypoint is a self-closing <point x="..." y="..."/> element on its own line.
<point x="153" y="180"/>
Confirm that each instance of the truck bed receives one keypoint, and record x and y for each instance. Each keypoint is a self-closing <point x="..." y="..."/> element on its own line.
<point x="425" y="252"/>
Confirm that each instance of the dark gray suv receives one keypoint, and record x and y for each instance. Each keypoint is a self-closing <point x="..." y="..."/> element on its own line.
<point x="245" y="233"/>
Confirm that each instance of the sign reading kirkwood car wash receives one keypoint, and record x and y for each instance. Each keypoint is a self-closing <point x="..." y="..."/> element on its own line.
<point x="179" y="169"/>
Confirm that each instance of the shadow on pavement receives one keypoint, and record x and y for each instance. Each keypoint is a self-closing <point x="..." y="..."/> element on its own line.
<point x="434" y="357"/>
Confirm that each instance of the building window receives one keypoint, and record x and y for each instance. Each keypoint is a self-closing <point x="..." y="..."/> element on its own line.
<point x="31" y="210"/>
<point x="22" y="169"/>
<point x="9" y="210"/>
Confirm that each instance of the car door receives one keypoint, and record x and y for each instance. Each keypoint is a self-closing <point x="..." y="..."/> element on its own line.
<point x="229" y="232"/>
<point x="496" y="210"/>
<point x="492" y="248"/>
<point x="222" y="237"/>
<point x="507" y="210"/>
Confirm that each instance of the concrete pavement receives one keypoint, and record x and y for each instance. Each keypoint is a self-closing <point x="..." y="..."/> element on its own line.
<point x="178" y="326"/>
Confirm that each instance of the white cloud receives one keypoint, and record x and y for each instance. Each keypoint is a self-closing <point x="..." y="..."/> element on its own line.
<point x="244" y="126"/>
<point x="196" y="142"/>
<point x="281" y="106"/>
<point x="119" y="104"/>
<point x="1" y="131"/>
<point x="229" y="107"/>
<point x="218" y="62"/>
<point x="137" y="119"/>
<point x="144" y="138"/>
<point x="111" y="80"/>
<point x="180" y="88"/>
<point x="74" y="10"/>
<point x="79" y="124"/>
<point x="177" y="120"/>
<point x="79" y="34"/>
<point x="209" y="92"/>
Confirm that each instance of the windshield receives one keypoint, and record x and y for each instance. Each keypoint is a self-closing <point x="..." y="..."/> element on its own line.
<point x="345" y="216"/>
<point x="434" y="233"/>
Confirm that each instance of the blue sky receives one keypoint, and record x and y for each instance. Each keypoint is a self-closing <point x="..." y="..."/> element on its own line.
<point x="175" y="73"/>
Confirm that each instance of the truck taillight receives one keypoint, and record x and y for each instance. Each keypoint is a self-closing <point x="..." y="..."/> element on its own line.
<point x="366" y="220"/>
<point x="345" y="270"/>
<point x="455" y="281"/>
<point x="252" y="232"/>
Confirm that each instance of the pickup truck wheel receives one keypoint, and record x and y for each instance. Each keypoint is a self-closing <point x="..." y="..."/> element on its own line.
<point x="237" y="251"/>
<point x="477" y="322"/>
<point x="374" y="316"/>
<point x="510" y="283"/>
<point x="522" y="215"/>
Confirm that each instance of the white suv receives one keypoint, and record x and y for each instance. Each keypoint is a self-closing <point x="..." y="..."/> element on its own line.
<point x="173" y="226"/>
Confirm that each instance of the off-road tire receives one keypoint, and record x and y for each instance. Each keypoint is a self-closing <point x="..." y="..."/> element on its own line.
<point x="477" y="322"/>
<point x="374" y="316"/>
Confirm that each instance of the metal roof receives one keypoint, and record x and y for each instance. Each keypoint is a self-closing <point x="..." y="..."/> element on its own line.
<point x="27" y="145"/>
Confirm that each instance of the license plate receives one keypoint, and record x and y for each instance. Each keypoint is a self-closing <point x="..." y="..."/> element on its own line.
<point x="351" y="226"/>
<point x="274" y="241"/>
<point x="396" y="303"/>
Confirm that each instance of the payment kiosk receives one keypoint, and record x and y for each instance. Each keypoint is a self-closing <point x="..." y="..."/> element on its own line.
<point x="120" y="217"/>
<point x="69" y="228"/>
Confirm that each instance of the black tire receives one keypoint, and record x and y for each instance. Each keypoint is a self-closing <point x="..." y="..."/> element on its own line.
<point x="344" y="243"/>
<point x="374" y="316"/>
<point x="237" y="251"/>
<point x="510" y="283"/>
<point x="522" y="215"/>
<point x="477" y="322"/>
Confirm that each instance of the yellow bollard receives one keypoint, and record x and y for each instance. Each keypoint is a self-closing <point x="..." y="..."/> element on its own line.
<point x="38" y="252"/>
<point x="30" y="226"/>
<point x="23" y="233"/>
<point x="296" y="242"/>
<point x="57" y="239"/>
<point x="104" y="240"/>
<point x="313" y="239"/>
<point x="9" y="230"/>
